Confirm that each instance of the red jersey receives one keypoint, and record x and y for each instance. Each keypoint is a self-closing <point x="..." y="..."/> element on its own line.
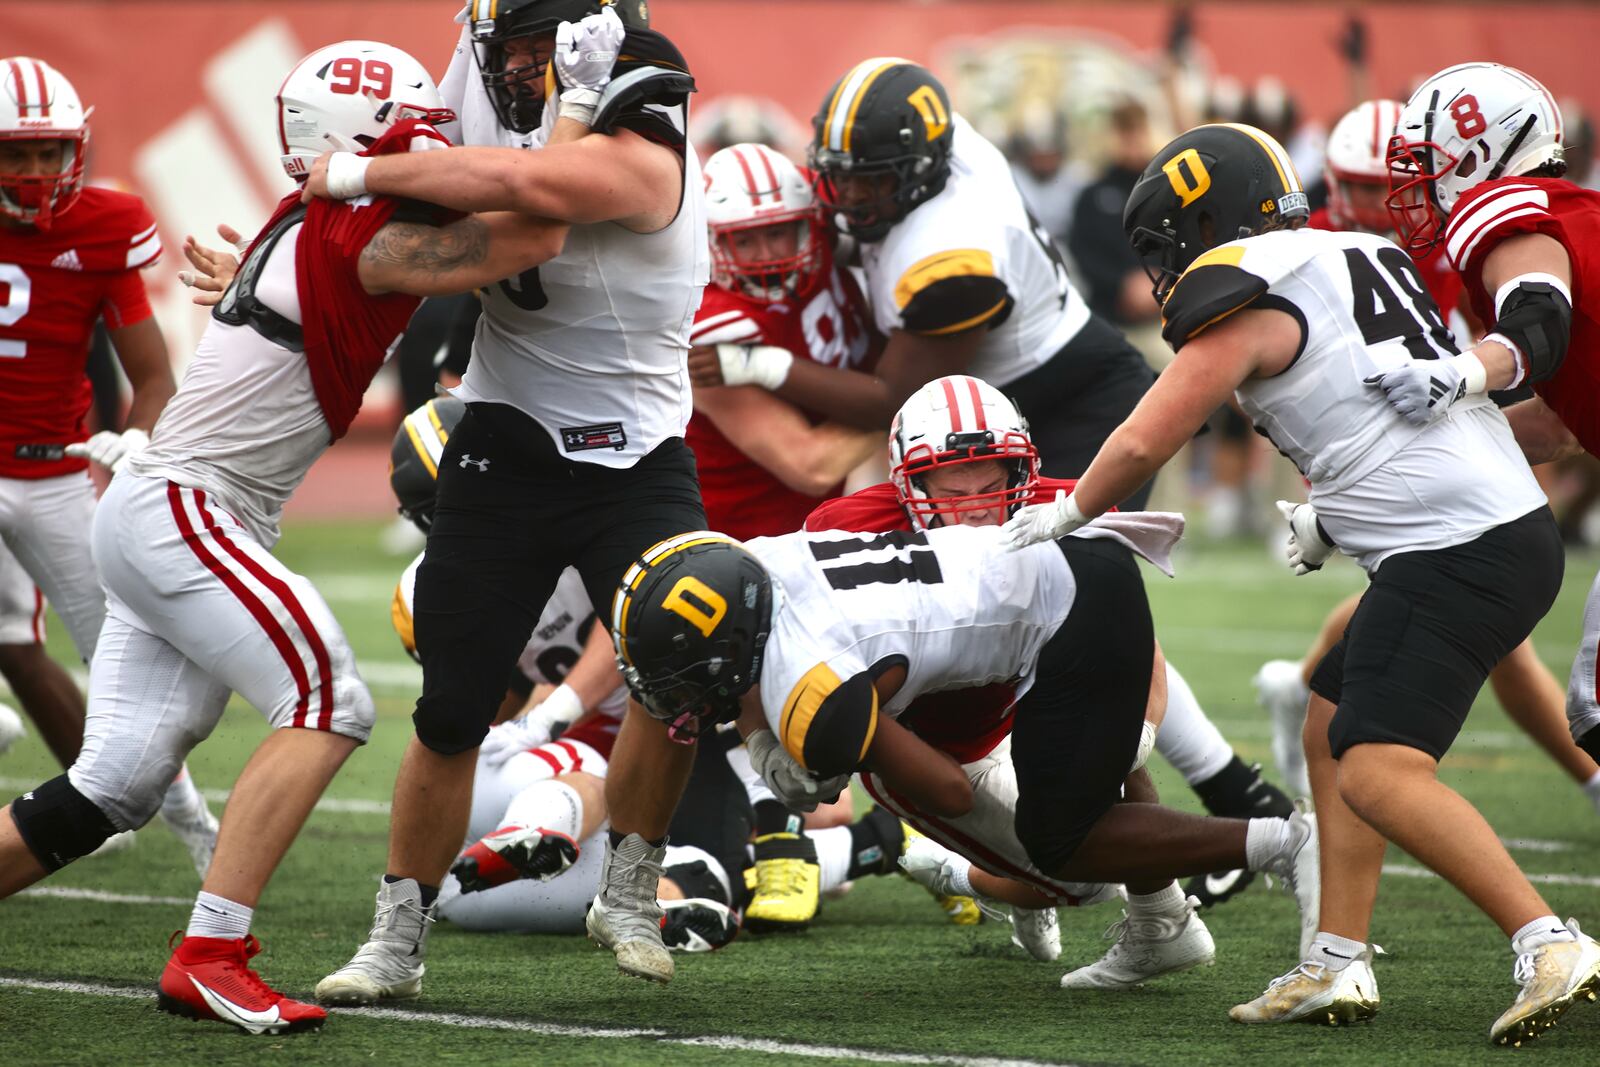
<point x="827" y="324"/>
<point x="965" y="723"/>
<point x="54" y="285"/>
<point x="1443" y="283"/>
<point x="1493" y="211"/>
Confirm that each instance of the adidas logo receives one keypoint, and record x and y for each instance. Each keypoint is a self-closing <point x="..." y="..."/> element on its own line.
<point x="67" y="260"/>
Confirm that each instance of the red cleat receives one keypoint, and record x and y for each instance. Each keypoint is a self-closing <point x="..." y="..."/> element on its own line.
<point x="210" y="978"/>
<point x="514" y="852"/>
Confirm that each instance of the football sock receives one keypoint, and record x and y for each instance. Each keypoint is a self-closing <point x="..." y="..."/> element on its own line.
<point x="833" y="855"/>
<point x="547" y="805"/>
<point x="1266" y="844"/>
<point x="616" y="838"/>
<point x="1335" y="952"/>
<point x="1545" y="930"/>
<point x="215" y="916"/>
<point x="876" y="841"/>
<point x="1168" y="901"/>
<point x="773" y="818"/>
<point x="429" y="893"/>
<point x="1188" y="740"/>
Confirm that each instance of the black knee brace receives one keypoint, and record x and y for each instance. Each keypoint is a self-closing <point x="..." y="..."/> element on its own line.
<point x="1590" y="743"/>
<point x="59" y="824"/>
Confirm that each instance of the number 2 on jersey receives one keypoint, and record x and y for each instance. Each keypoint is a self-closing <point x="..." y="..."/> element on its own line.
<point x="15" y="294"/>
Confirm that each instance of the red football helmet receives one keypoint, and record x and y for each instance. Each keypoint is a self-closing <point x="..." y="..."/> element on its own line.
<point x="39" y="104"/>
<point x="951" y="422"/>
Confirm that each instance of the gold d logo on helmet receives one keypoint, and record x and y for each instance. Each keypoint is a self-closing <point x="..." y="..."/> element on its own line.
<point x="926" y="100"/>
<point x="1192" y="186"/>
<point x="704" y="616"/>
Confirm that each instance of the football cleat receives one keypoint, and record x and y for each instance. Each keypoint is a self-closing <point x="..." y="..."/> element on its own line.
<point x="1145" y="947"/>
<point x="1297" y="865"/>
<point x="1037" y="930"/>
<point x="697" y="924"/>
<point x="514" y="852"/>
<point x="1281" y="690"/>
<point x="11" y="729"/>
<point x="1218" y="888"/>
<point x="1553" y="978"/>
<point x="1311" y="993"/>
<point x="926" y="862"/>
<point x="210" y="978"/>
<point x="788" y="884"/>
<point x="197" y="828"/>
<point x="625" y="915"/>
<point x="389" y="966"/>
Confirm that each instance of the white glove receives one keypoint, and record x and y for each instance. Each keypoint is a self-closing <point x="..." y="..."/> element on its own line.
<point x="552" y="715"/>
<point x="1307" y="550"/>
<point x="1424" y="389"/>
<point x="108" y="449"/>
<point x="586" y="50"/>
<point x="1043" y="522"/>
<point x="762" y="365"/>
<point x="794" y="786"/>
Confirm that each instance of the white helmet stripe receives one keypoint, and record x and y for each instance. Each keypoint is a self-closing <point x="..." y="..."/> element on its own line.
<point x="844" y="105"/>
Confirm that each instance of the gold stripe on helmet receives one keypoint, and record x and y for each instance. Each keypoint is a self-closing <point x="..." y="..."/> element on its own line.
<point x="421" y="449"/>
<point x="1275" y="152"/>
<point x="653" y="556"/>
<point x="438" y="424"/>
<point x="862" y="75"/>
<point x="861" y="94"/>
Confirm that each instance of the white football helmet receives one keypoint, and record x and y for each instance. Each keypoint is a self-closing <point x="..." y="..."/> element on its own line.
<point x="1468" y="124"/>
<point x="751" y="187"/>
<point x="39" y="104"/>
<point x="343" y="97"/>
<point x="1358" y="156"/>
<point x="952" y="421"/>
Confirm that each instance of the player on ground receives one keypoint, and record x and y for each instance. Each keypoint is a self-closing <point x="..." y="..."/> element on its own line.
<point x="764" y="463"/>
<point x="571" y="452"/>
<point x="1357" y="177"/>
<point x="198" y="607"/>
<point x="819" y="642"/>
<point x="1463" y="555"/>
<point x="960" y="277"/>
<point x="69" y="256"/>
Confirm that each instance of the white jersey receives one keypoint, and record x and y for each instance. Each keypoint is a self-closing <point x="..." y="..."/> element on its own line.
<point x="1380" y="484"/>
<point x="951" y="605"/>
<point x="557" y="641"/>
<point x="976" y="227"/>
<point x="245" y="423"/>
<point x="594" y="343"/>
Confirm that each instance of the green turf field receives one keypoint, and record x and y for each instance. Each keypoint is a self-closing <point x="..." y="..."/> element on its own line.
<point x="880" y="977"/>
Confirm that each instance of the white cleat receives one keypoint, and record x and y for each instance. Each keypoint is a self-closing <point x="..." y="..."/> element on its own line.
<point x="1146" y="947"/>
<point x="11" y="728"/>
<point x="1299" y="868"/>
<point x="389" y="966"/>
<point x="625" y="916"/>
<point x="197" y="829"/>
<point x="1038" y="931"/>
<point x="1280" y="689"/>
<point x="1553" y="978"/>
<point x="1313" y="994"/>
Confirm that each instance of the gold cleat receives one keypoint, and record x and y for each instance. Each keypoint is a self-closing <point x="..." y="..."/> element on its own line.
<point x="788" y="884"/>
<point x="1313" y="994"/>
<point x="1553" y="977"/>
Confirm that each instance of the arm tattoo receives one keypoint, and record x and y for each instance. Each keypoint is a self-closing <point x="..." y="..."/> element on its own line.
<point x="429" y="249"/>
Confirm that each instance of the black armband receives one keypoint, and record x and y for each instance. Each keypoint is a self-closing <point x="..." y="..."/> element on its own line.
<point x="1536" y="317"/>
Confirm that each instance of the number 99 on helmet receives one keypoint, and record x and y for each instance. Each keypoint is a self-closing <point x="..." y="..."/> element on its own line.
<point x="690" y="621"/>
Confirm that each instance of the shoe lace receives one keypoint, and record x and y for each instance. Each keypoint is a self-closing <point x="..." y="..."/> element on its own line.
<point x="781" y="878"/>
<point x="1525" y="969"/>
<point x="384" y="917"/>
<point x="1314" y="971"/>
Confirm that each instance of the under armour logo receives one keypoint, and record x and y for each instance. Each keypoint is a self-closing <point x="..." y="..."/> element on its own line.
<point x="28" y="795"/>
<point x="481" y="464"/>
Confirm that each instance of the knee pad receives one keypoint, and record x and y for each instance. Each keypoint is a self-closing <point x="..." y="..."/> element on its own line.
<point x="448" y="730"/>
<point x="59" y="824"/>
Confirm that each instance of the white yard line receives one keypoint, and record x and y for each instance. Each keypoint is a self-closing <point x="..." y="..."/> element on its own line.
<point x="67" y="892"/>
<point x="337" y="805"/>
<point x="489" y="1022"/>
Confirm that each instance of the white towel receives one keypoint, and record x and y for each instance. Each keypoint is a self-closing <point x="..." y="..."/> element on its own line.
<point x="465" y="94"/>
<point x="1151" y="535"/>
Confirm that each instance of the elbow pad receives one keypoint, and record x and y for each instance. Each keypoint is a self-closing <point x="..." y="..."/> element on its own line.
<point x="1535" y="316"/>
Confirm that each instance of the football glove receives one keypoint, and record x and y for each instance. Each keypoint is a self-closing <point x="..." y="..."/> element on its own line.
<point x="1424" y="389"/>
<point x="1307" y="549"/>
<point x="763" y="365"/>
<point x="1043" y="522"/>
<point x="795" y="787"/>
<point x="586" y="50"/>
<point x="110" y="450"/>
<point x="545" y="721"/>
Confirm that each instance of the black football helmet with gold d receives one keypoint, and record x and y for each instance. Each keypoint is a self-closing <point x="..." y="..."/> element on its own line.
<point x="414" y="457"/>
<point x="690" y="621"/>
<point x="886" y="117"/>
<point x="1215" y="184"/>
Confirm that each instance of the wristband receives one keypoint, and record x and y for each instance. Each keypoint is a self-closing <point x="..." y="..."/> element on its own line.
<point x="561" y="708"/>
<point x="347" y="175"/>
<point x="579" y="105"/>
<point x="1072" y="512"/>
<point x="763" y="365"/>
<point x="134" y="440"/>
